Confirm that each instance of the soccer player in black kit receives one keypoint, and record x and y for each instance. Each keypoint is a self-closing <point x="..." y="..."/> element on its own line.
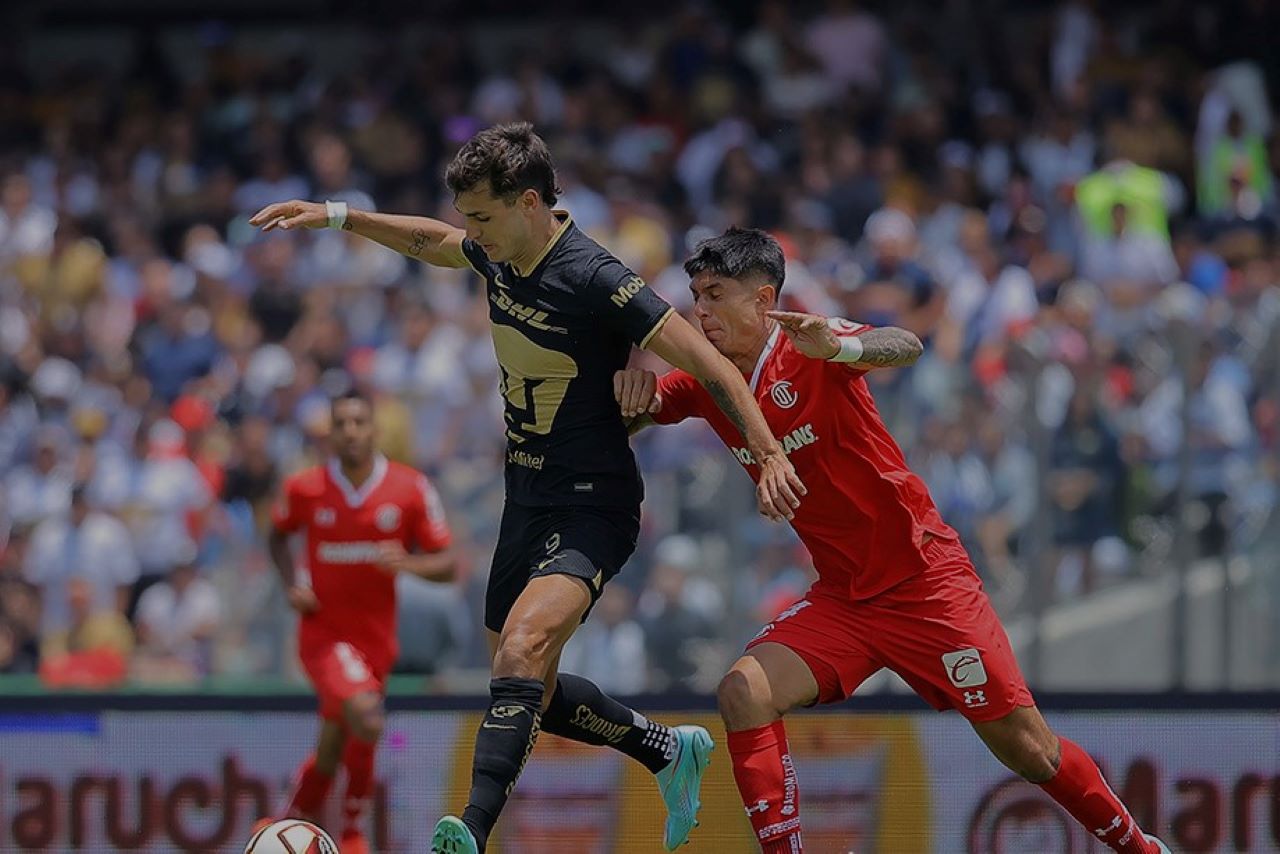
<point x="564" y="314"/>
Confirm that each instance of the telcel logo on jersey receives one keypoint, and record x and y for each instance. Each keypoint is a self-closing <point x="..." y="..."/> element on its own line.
<point x="527" y="460"/>
<point x="793" y="441"/>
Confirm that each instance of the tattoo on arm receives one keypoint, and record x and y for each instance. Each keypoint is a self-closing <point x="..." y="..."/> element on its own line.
<point x="889" y="347"/>
<point x="419" y="241"/>
<point x="724" y="400"/>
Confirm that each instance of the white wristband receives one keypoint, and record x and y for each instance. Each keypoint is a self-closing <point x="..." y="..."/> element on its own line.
<point x="850" y="349"/>
<point x="337" y="213"/>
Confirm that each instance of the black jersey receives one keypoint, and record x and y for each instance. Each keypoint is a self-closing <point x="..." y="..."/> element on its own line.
<point x="560" y="334"/>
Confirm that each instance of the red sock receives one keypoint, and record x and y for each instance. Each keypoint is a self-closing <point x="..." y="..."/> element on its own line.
<point x="358" y="759"/>
<point x="309" y="791"/>
<point x="1080" y="787"/>
<point x="767" y="782"/>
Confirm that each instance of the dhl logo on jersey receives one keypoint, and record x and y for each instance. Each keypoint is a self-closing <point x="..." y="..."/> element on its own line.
<point x="531" y="316"/>
<point x="793" y="441"/>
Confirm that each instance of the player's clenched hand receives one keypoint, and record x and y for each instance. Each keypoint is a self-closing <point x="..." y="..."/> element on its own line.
<point x="291" y="214"/>
<point x="392" y="557"/>
<point x="808" y="332"/>
<point x="302" y="599"/>
<point x="779" y="490"/>
<point x="636" y="392"/>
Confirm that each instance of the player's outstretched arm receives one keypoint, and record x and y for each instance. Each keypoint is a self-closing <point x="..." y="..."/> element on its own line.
<point x="779" y="488"/>
<point x="884" y="347"/>
<point x="418" y="237"/>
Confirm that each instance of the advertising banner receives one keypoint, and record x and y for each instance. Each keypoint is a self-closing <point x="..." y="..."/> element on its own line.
<point x="899" y="784"/>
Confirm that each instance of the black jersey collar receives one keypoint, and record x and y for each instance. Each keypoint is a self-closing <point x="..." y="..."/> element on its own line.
<point x="566" y="221"/>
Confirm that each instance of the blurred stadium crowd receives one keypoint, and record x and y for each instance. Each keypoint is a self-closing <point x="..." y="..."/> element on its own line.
<point x="1074" y="205"/>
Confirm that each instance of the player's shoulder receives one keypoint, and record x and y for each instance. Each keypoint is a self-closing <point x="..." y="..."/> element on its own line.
<point x="581" y="256"/>
<point x="399" y="473"/>
<point x="404" y="478"/>
<point x="786" y="362"/>
<point x="308" y="481"/>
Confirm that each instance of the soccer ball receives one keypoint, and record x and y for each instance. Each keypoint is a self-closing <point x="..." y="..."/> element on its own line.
<point x="291" y="836"/>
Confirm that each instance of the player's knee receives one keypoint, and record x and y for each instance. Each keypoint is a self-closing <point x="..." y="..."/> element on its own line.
<point x="524" y="651"/>
<point x="366" y="717"/>
<point x="741" y="702"/>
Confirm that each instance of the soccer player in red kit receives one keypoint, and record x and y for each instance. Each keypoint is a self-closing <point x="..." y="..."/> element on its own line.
<point x="362" y="516"/>
<point x="895" y="586"/>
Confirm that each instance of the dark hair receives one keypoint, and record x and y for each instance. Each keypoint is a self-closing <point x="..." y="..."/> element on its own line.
<point x="739" y="253"/>
<point x="350" y="394"/>
<point x="511" y="157"/>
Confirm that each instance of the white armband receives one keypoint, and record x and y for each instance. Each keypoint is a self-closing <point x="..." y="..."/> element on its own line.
<point x="337" y="213"/>
<point x="850" y="349"/>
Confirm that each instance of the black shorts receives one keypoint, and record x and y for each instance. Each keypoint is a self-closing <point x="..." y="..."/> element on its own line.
<point x="591" y="543"/>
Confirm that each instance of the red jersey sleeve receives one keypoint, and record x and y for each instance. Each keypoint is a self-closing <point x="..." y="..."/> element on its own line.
<point x="430" y="531"/>
<point x="289" y="512"/>
<point x="682" y="397"/>
<point x="846" y="329"/>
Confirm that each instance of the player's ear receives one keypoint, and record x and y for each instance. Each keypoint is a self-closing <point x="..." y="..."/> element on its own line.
<point x="767" y="297"/>
<point x="529" y="200"/>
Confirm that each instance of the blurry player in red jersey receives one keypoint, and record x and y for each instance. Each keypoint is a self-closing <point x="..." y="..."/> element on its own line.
<point x="895" y="586"/>
<point x="362" y="516"/>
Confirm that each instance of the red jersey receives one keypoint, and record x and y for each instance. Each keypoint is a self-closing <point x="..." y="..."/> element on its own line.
<point x="866" y="513"/>
<point x="344" y="528"/>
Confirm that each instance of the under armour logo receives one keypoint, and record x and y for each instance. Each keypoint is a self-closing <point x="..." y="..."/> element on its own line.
<point x="1115" y="825"/>
<point x="973" y="699"/>
<point x="758" y="806"/>
<point x="506" y="711"/>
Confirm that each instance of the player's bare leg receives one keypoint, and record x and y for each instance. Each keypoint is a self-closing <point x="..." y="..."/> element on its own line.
<point x="762" y="686"/>
<point x="1023" y="741"/>
<point x="542" y="620"/>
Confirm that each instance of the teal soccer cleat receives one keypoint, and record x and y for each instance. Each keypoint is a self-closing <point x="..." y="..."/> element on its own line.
<point x="681" y="781"/>
<point x="453" y="837"/>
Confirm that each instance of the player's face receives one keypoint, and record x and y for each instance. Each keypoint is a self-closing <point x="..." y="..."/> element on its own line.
<point x="352" y="434"/>
<point x="731" y="312"/>
<point x="502" y="228"/>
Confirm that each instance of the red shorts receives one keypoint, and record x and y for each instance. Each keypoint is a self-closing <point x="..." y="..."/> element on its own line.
<point x="937" y="631"/>
<point x="339" y="671"/>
